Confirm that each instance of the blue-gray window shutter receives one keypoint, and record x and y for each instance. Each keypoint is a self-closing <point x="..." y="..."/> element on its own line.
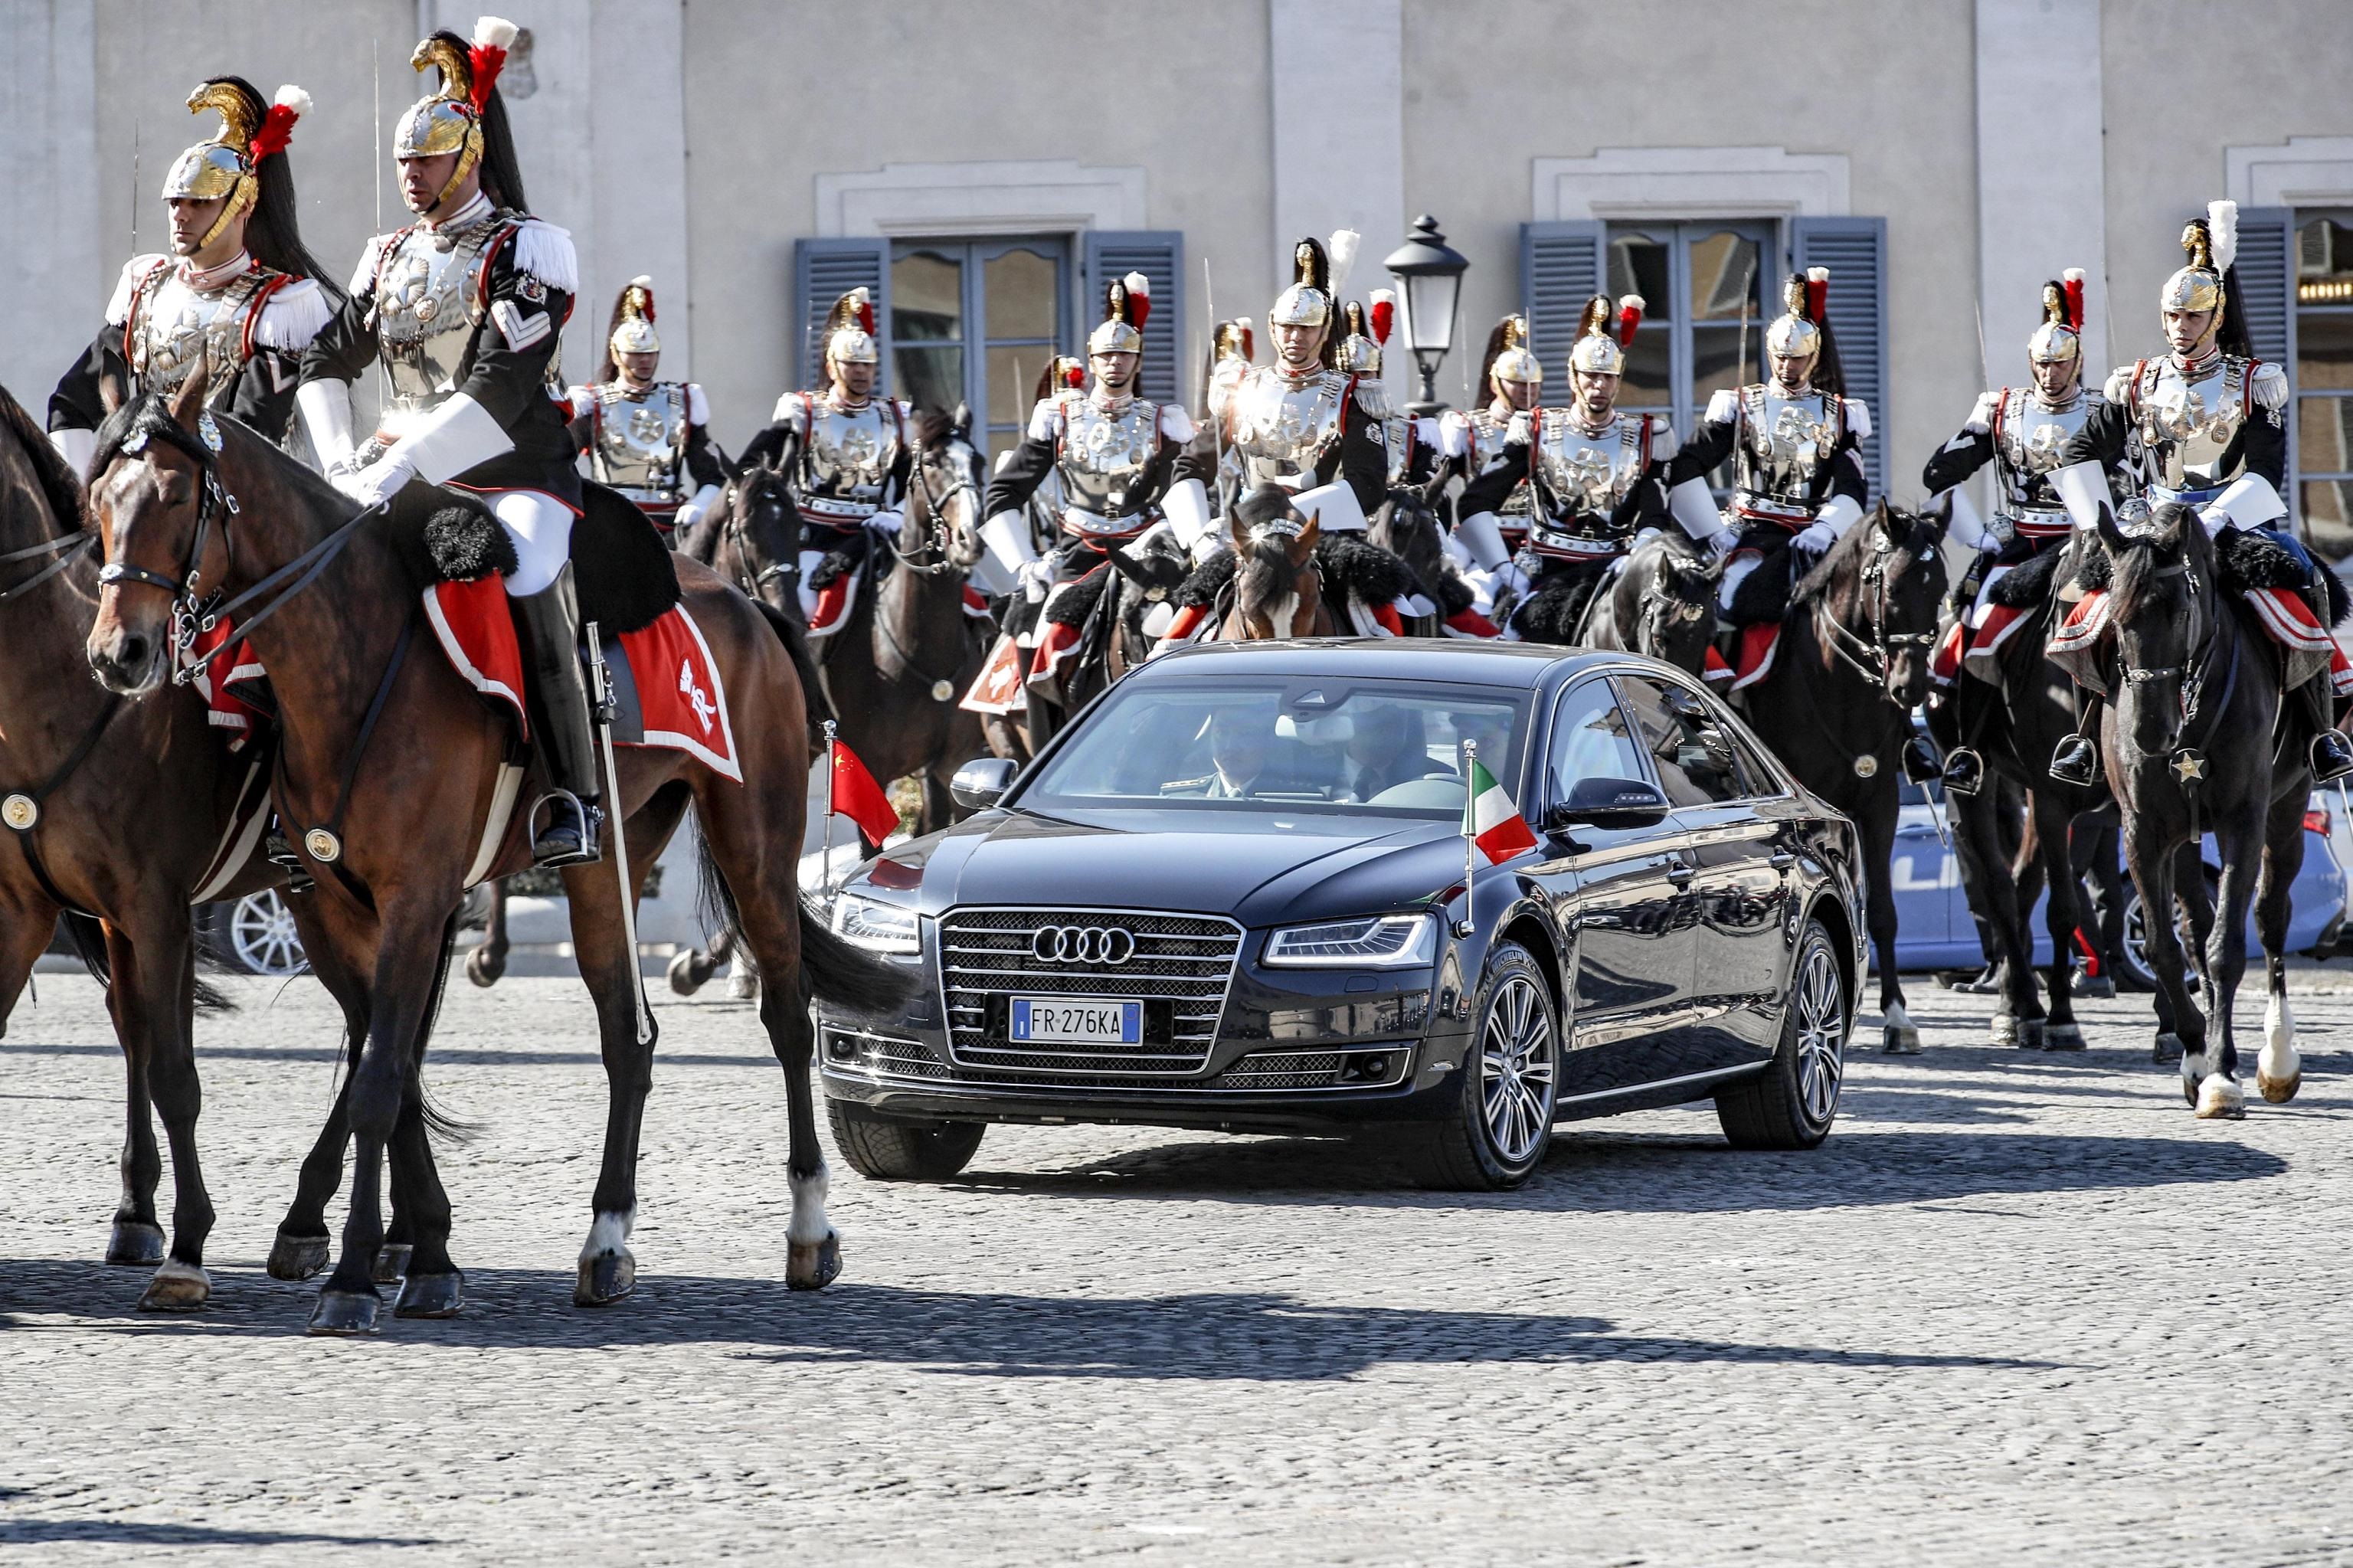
<point x="1159" y="255"/>
<point x="2264" y="276"/>
<point x="1855" y="250"/>
<point x="824" y="270"/>
<point x="1560" y="270"/>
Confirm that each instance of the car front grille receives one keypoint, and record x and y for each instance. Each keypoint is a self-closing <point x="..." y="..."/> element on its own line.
<point x="1180" y="968"/>
<point x="891" y="1058"/>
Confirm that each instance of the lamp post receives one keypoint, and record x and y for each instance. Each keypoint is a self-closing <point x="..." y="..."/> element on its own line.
<point x="1428" y="274"/>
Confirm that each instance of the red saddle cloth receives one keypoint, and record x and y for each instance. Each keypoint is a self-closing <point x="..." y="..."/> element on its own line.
<point x="668" y="683"/>
<point x="225" y="708"/>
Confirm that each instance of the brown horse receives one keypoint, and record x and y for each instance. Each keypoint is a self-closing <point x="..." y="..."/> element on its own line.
<point x="122" y="814"/>
<point x="1278" y="586"/>
<point x="187" y="501"/>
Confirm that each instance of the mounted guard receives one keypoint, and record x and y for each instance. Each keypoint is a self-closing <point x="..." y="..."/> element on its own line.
<point x="1486" y="542"/>
<point x="1591" y="477"/>
<point x="1115" y="457"/>
<point x="2204" y="425"/>
<point x="845" y="452"/>
<point x="238" y="290"/>
<point x="464" y="309"/>
<point x="1415" y="455"/>
<point x="2023" y="431"/>
<point x="648" y="439"/>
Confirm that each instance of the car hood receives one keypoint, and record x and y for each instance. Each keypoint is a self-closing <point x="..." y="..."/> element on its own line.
<point x="1259" y="869"/>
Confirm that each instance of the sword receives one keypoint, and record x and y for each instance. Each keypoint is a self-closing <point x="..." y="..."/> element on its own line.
<point x="600" y="686"/>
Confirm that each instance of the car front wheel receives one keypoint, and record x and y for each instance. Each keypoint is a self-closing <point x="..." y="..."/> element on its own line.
<point x="1792" y="1103"/>
<point x="884" y="1150"/>
<point x="1511" y="1083"/>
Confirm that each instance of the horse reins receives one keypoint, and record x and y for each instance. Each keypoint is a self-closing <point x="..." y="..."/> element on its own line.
<point x="936" y="540"/>
<point x="66" y="546"/>
<point x="1869" y="657"/>
<point x="2188" y="758"/>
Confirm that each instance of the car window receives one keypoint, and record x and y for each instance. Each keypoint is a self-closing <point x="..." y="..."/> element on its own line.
<point x="1284" y="741"/>
<point x="1693" y="754"/>
<point x="1591" y="739"/>
<point x="1757" y="774"/>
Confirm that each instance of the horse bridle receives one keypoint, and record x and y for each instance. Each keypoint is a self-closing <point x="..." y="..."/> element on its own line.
<point x="1869" y="657"/>
<point x="737" y="534"/>
<point x="2195" y="675"/>
<point x="932" y="556"/>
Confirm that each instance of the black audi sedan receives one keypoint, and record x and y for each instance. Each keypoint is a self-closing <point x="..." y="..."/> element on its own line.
<point x="1238" y="892"/>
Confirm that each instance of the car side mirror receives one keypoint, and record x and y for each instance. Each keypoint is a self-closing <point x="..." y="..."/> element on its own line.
<point x="981" y="782"/>
<point x="1609" y="803"/>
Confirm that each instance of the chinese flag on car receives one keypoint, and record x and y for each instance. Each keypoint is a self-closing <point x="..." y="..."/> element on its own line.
<point x="859" y="797"/>
<point x="1491" y="821"/>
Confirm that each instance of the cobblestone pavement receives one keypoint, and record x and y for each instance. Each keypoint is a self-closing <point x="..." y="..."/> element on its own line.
<point x="2019" y="1309"/>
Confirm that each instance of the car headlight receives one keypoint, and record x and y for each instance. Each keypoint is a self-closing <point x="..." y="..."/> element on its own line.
<point x="1379" y="942"/>
<point x="876" y="926"/>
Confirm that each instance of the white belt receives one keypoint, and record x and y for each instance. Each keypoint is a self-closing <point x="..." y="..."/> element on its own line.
<point x="837" y="510"/>
<point x="1079" y="520"/>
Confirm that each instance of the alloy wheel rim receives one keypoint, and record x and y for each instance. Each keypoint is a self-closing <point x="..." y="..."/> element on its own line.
<point x="261" y="928"/>
<point x="1516" y="1077"/>
<point x="1821" y="1037"/>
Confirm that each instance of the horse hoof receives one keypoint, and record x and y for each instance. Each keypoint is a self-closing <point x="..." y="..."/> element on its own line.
<point x="134" y="1244"/>
<point x="483" y="970"/>
<point x="2004" y="1030"/>
<point x="2278" y="1091"/>
<point x="2220" y="1099"/>
<point x="604" y="1279"/>
<point x="2033" y="1035"/>
<point x="743" y="987"/>
<point x="813" y="1265"/>
<point x="2063" y="1037"/>
<point x="392" y="1262"/>
<point x="2095" y="987"/>
<point x="345" y="1313"/>
<point x="683" y="977"/>
<point x="1902" y="1040"/>
<point x="2167" y="1051"/>
<point x="431" y="1296"/>
<point x="297" y="1257"/>
<point x="176" y="1287"/>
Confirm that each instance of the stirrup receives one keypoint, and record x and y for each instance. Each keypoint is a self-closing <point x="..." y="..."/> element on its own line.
<point x="2077" y="762"/>
<point x="278" y="851"/>
<point x="1964" y="772"/>
<point x="2332" y="756"/>
<point x="1919" y="761"/>
<point x="574" y="841"/>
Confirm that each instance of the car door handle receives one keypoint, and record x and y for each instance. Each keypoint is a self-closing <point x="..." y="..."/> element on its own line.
<point x="1680" y="874"/>
<point x="1781" y="860"/>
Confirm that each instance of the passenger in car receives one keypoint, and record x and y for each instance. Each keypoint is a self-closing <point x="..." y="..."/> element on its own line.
<point x="1385" y="748"/>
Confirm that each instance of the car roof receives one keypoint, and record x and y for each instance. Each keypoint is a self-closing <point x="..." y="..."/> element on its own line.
<point x="1479" y="664"/>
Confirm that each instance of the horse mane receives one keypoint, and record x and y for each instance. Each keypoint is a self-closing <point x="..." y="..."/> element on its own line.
<point x="2132" y="575"/>
<point x="1905" y="530"/>
<point x="59" y="486"/>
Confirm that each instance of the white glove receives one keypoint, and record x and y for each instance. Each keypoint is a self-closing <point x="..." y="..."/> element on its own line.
<point x="696" y="507"/>
<point x="1516" y="432"/>
<point x="1036" y="578"/>
<point x="379" y="480"/>
<point x="1723" y="542"/>
<point x="1816" y="537"/>
<point x="76" y="447"/>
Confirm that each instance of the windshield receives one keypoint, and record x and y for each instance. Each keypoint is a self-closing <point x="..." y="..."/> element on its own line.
<point x="1388" y="747"/>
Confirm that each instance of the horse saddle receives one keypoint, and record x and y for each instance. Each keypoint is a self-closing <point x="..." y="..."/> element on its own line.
<point x="622" y="567"/>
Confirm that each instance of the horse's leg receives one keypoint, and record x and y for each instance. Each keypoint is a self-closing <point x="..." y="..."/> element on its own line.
<point x="2189" y="887"/>
<point x="136" y="1240"/>
<point x="2279" y="1066"/>
<point x="406" y="968"/>
<point x="2239" y="841"/>
<point x="1877" y="821"/>
<point x="2062" y="916"/>
<point x="431" y="1286"/>
<point x="1979" y="840"/>
<point x="153" y="999"/>
<point x="607" y="1269"/>
<point x="301" y="1246"/>
<point x="761" y="871"/>
<point x="2181" y="1031"/>
<point x="488" y="961"/>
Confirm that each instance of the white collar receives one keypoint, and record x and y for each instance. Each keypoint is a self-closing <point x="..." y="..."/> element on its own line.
<point x="465" y="216"/>
<point x="208" y="279"/>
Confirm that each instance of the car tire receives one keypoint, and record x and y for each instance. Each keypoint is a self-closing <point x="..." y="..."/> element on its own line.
<point x="2136" y="942"/>
<point x="1792" y="1103"/>
<point x="254" y="935"/>
<point x="884" y="1150"/>
<point x="1501" y="1124"/>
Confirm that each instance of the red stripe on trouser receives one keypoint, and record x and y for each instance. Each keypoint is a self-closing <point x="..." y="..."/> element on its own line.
<point x="1714" y="668"/>
<point x="1188" y="620"/>
<point x="1756" y="650"/>
<point x="830" y="601"/>
<point x="1387" y="614"/>
<point x="1473" y="623"/>
<point x="1947" y="664"/>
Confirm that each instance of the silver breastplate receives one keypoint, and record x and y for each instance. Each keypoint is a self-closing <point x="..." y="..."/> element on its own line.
<point x="1282" y="428"/>
<point x="1785" y="448"/>
<point x="1103" y="455"/>
<point x="1487" y="432"/>
<point x="847" y="459"/>
<point x="641" y="440"/>
<point x="1586" y="473"/>
<point x="172" y="323"/>
<point x="428" y="306"/>
<point x="1398" y="440"/>
<point x="2185" y="423"/>
<point x="2028" y="443"/>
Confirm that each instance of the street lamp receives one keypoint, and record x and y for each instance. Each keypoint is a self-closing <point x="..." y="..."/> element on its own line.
<point x="1428" y="274"/>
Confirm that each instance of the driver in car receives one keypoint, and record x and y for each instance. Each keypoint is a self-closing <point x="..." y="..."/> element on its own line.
<point x="1240" y="747"/>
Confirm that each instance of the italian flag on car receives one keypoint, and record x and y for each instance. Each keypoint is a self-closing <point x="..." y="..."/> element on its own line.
<point x="1492" y="822"/>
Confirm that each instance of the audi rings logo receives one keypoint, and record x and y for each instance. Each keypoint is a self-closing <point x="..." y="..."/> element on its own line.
<point x="1083" y="945"/>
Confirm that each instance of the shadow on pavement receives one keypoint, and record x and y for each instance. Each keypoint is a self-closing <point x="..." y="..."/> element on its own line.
<point x="1244" y="1336"/>
<point x="133" y="1532"/>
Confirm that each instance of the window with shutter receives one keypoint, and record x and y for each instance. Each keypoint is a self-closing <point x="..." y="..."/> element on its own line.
<point x="1560" y="270"/>
<point x="824" y="270"/>
<point x="1855" y="250"/>
<point x="1705" y="287"/>
<point x="1159" y="255"/>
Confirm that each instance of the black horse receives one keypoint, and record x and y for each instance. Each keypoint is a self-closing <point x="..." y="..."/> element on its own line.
<point x="2192" y="745"/>
<point x="1836" y="703"/>
<point x="1660" y="603"/>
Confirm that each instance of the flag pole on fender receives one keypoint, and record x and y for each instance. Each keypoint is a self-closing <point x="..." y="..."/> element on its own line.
<point x="825" y="859"/>
<point x="1464" y="926"/>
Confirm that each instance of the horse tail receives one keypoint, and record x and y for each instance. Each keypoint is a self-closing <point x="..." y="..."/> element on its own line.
<point x="440" y="1125"/>
<point x="88" y="936"/>
<point x="831" y="968"/>
<point x="815" y="702"/>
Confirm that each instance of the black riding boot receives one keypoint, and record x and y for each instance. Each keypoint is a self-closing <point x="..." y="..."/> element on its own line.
<point x="1920" y="763"/>
<point x="2332" y="754"/>
<point x="573" y="822"/>
<point x="2076" y="758"/>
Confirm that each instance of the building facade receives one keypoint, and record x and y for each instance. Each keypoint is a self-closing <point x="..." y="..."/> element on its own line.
<point x="984" y="166"/>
